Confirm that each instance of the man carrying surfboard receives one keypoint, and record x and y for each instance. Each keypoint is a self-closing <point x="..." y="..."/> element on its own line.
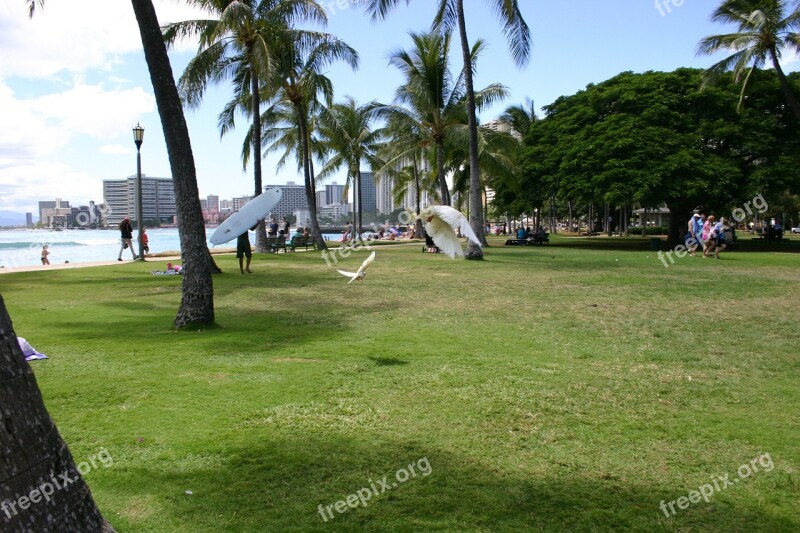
<point x="243" y="250"/>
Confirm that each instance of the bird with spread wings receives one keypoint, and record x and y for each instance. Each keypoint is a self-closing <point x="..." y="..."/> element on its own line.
<point x="362" y="270"/>
<point x="441" y="223"/>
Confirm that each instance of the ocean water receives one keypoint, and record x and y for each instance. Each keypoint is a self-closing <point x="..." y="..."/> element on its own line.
<point x="24" y="247"/>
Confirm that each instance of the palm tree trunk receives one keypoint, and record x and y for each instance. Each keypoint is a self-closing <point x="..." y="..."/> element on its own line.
<point x="261" y="230"/>
<point x="476" y="204"/>
<point x="311" y="197"/>
<point x="197" y="291"/>
<point x="791" y="99"/>
<point x="360" y="207"/>
<point x="35" y="457"/>
<point x="444" y="191"/>
<point x="420" y="231"/>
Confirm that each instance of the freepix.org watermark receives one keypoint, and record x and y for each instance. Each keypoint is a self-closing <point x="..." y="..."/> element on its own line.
<point x="375" y="488"/>
<point x="718" y="484"/>
<point x="665" y="6"/>
<point x="57" y="482"/>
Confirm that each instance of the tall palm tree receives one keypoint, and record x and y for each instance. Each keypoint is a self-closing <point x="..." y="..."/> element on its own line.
<point x="765" y="29"/>
<point x="432" y="98"/>
<point x="197" y="294"/>
<point x="450" y="14"/>
<point x="296" y="80"/>
<point x="347" y="131"/>
<point x="236" y="44"/>
<point x="401" y="157"/>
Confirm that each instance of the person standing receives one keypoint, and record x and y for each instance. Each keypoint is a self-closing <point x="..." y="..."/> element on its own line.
<point x="144" y="243"/>
<point x="126" y="236"/>
<point x="45" y="253"/>
<point x="243" y="250"/>
<point x="284" y="227"/>
<point x="273" y="228"/>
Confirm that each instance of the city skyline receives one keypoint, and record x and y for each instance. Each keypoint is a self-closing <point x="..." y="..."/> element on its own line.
<point x="74" y="89"/>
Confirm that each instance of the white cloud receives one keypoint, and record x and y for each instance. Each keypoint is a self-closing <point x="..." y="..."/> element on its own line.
<point x="24" y="185"/>
<point x="115" y="149"/>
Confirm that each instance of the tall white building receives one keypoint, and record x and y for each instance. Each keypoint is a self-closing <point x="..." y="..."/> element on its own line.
<point x="385" y="197"/>
<point x="158" y="199"/>
<point x="293" y="199"/>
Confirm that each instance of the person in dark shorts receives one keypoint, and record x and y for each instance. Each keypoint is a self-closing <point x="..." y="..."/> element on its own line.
<point x="243" y="250"/>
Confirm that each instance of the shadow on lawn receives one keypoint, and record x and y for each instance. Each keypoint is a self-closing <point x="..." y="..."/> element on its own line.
<point x="278" y="483"/>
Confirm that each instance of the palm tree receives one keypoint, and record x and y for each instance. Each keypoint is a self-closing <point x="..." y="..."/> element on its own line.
<point x="520" y="117"/>
<point x="237" y="45"/>
<point x="296" y="81"/>
<point x="401" y="157"/>
<point x="765" y="29"/>
<point x="197" y="294"/>
<point x="450" y="14"/>
<point x="347" y="131"/>
<point x="431" y="98"/>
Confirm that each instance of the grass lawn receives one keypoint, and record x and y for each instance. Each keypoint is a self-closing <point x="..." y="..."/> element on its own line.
<point x="553" y="388"/>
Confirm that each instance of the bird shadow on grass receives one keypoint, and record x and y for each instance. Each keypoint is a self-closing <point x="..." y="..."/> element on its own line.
<point x="387" y="361"/>
<point x="278" y="478"/>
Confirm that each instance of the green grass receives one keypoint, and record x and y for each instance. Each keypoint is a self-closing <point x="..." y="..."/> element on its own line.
<point x="554" y="388"/>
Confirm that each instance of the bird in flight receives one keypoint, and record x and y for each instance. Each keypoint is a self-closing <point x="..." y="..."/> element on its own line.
<point x="441" y="223"/>
<point x="362" y="270"/>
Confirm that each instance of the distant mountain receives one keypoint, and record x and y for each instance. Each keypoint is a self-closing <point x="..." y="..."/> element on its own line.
<point x="10" y="218"/>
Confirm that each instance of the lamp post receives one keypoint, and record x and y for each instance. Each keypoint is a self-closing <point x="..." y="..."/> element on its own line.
<point x="138" y="137"/>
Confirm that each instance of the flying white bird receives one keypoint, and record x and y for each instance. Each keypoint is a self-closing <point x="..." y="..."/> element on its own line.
<point x="441" y="223"/>
<point x="362" y="270"/>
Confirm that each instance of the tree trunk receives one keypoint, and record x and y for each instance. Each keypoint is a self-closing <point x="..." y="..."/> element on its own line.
<point x="420" y="228"/>
<point x="475" y="202"/>
<point x="791" y="99"/>
<point x="444" y="192"/>
<point x="197" y="293"/>
<point x="35" y="458"/>
<point x="360" y="214"/>
<point x="311" y="194"/>
<point x="261" y="229"/>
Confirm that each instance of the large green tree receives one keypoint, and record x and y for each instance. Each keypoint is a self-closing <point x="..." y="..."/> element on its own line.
<point x="766" y="29"/>
<point x="656" y="138"/>
<point x="450" y="14"/>
<point x="236" y="44"/>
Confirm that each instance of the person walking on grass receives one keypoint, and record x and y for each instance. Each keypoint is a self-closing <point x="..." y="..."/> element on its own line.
<point x="694" y="230"/>
<point x="719" y="237"/>
<point x="708" y="241"/>
<point x="126" y="236"/>
<point x="243" y="250"/>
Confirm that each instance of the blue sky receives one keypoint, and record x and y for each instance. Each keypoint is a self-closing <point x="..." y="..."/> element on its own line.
<point x="72" y="85"/>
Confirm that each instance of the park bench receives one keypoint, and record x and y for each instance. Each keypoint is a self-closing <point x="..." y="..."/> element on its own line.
<point x="276" y="244"/>
<point x="296" y="242"/>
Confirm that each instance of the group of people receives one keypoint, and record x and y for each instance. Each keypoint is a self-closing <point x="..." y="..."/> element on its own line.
<point x="709" y="233"/>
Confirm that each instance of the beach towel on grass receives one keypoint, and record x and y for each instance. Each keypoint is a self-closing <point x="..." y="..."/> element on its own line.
<point x="29" y="351"/>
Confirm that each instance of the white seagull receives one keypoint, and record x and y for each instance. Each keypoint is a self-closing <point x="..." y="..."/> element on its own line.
<point x="441" y="223"/>
<point x="362" y="270"/>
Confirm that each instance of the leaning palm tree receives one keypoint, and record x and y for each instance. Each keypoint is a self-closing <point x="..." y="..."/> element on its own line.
<point x="296" y="81"/>
<point x="236" y="44"/>
<point x="197" y="294"/>
<point x="766" y="28"/>
<point x="449" y="15"/>
<point x="348" y="133"/>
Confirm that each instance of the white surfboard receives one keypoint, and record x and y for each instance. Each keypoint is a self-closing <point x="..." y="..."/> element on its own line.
<point x="246" y="217"/>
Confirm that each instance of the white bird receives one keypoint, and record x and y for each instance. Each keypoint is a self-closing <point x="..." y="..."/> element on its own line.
<point x="362" y="270"/>
<point x="441" y="223"/>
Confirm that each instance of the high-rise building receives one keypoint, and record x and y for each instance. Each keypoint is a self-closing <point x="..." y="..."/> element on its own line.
<point x="385" y="191"/>
<point x="334" y="194"/>
<point x="322" y="198"/>
<point x="293" y="199"/>
<point x="238" y="202"/>
<point x="369" y="194"/>
<point x="29" y="219"/>
<point x="50" y="205"/>
<point x="158" y="199"/>
<point x="203" y="204"/>
<point x="212" y="202"/>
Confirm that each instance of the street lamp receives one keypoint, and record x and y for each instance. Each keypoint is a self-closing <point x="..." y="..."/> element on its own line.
<point x="138" y="137"/>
